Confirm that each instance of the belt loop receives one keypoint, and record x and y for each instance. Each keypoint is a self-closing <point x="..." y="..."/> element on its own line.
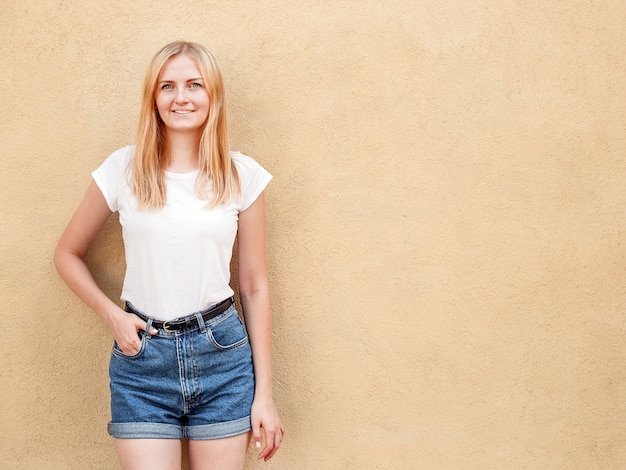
<point x="200" y="320"/>
<point x="148" y="327"/>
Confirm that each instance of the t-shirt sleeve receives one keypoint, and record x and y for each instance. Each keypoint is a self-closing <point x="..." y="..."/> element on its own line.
<point x="109" y="176"/>
<point x="254" y="179"/>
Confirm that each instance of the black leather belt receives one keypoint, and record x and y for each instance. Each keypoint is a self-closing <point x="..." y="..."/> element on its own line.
<point x="184" y="322"/>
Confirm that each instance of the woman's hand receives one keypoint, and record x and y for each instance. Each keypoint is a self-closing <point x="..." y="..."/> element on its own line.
<point x="264" y="416"/>
<point x="125" y="328"/>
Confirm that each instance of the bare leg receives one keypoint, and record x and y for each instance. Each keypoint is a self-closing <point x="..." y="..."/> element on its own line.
<point x="219" y="454"/>
<point x="149" y="454"/>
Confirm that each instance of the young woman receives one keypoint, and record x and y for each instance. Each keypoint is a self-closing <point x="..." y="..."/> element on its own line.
<point x="182" y="363"/>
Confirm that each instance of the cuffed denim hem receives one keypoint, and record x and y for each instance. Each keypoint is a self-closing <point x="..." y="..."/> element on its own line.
<point x="145" y="431"/>
<point x="218" y="430"/>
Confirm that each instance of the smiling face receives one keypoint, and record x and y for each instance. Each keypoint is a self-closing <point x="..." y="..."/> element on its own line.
<point x="181" y="97"/>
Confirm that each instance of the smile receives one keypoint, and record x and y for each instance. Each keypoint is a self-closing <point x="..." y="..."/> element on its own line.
<point x="182" y="112"/>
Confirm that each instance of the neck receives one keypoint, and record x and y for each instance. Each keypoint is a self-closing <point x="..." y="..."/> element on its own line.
<point x="182" y="151"/>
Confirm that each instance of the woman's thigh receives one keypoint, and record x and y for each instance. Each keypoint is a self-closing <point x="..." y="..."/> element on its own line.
<point x="219" y="454"/>
<point x="149" y="454"/>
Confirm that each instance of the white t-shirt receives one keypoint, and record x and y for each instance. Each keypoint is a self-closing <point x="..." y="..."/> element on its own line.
<point x="177" y="256"/>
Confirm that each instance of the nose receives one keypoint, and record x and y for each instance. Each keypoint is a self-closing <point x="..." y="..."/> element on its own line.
<point x="181" y="96"/>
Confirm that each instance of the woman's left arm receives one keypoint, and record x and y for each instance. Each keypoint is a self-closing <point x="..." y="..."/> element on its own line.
<point x="255" y="300"/>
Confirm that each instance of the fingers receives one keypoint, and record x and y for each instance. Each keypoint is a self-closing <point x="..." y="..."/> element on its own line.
<point x="153" y="330"/>
<point x="140" y="325"/>
<point x="278" y="440"/>
<point x="130" y="347"/>
<point x="256" y="434"/>
<point x="273" y="440"/>
<point x="265" y="420"/>
<point x="126" y="333"/>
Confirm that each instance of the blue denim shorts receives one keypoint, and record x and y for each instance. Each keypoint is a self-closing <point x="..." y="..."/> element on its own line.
<point x="196" y="383"/>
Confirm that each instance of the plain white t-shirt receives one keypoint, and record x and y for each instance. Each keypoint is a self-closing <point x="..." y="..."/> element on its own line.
<point x="177" y="256"/>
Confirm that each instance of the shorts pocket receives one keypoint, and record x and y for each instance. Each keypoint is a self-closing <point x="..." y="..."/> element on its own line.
<point x="228" y="333"/>
<point x="121" y="354"/>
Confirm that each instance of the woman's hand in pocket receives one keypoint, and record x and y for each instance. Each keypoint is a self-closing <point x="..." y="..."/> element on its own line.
<point x="125" y="328"/>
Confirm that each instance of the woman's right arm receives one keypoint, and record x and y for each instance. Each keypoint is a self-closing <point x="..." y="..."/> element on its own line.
<point x="87" y="221"/>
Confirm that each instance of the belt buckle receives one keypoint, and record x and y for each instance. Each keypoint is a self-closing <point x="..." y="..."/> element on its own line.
<point x="167" y="327"/>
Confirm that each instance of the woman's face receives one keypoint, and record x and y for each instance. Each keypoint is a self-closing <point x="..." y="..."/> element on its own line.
<point x="181" y="97"/>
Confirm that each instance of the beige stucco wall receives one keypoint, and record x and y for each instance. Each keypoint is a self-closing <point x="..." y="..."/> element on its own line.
<point x="445" y="228"/>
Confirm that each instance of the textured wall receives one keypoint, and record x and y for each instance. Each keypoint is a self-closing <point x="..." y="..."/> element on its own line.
<point x="446" y="223"/>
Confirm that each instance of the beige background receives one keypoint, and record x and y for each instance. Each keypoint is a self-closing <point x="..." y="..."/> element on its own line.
<point x="445" y="228"/>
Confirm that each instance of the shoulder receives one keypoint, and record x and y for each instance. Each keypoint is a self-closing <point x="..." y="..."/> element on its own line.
<point x="113" y="169"/>
<point x="110" y="176"/>
<point x="248" y="167"/>
<point x="252" y="176"/>
<point x="123" y="155"/>
<point x="117" y="162"/>
<point x="243" y="161"/>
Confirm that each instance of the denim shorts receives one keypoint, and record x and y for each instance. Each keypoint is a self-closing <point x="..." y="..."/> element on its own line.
<point x="196" y="383"/>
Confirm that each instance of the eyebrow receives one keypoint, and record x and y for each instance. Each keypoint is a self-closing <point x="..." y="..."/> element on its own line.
<point x="187" y="81"/>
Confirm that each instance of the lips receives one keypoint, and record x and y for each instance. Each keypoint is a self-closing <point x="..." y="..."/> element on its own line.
<point x="182" y="112"/>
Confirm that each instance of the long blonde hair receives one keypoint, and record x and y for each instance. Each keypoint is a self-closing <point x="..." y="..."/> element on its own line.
<point x="217" y="179"/>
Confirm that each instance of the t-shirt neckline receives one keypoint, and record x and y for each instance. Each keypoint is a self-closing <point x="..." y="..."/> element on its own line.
<point x="186" y="174"/>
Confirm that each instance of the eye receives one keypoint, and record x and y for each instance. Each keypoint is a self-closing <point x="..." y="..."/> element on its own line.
<point x="196" y="85"/>
<point x="166" y="86"/>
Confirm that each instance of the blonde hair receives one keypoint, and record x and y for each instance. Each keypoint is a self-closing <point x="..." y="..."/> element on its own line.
<point x="217" y="179"/>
